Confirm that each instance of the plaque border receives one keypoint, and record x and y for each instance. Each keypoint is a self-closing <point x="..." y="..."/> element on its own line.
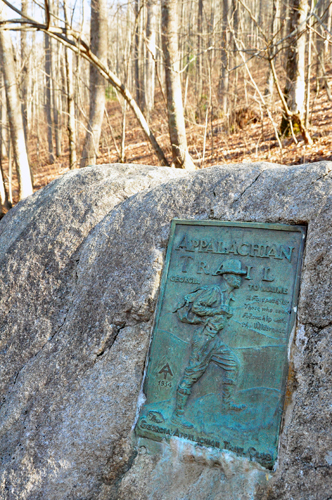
<point x="295" y="295"/>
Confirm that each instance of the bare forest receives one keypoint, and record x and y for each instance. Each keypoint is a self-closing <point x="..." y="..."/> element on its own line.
<point x="181" y="83"/>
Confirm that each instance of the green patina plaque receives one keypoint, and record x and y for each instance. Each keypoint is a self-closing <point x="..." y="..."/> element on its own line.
<point x="218" y="363"/>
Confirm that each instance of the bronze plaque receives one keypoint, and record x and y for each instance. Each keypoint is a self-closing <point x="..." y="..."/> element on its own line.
<point x="218" y="360"/>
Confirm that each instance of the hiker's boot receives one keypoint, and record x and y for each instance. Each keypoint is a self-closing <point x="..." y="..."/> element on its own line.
<point x="227" y="402"/>
<point x="177" y="417"/>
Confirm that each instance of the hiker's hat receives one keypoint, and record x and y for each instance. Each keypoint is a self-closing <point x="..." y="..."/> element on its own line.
<point x="232" y="266"/>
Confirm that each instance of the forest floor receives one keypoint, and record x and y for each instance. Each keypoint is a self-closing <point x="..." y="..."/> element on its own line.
<point x="250" y="138"/>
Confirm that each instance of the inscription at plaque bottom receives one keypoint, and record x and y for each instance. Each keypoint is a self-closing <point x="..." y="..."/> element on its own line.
<point x="218" y="360"/>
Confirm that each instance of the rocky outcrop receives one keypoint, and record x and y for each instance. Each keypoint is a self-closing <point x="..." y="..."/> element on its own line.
<point x="81" y="262"/>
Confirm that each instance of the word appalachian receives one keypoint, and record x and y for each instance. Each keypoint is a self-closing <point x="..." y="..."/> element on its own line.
<point x="245" y="249"/>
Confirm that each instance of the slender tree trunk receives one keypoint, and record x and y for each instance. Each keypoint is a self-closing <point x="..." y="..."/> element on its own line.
<point x="261" y="7"/>
<point x="10" y="172"/>
<point x="25" y="74"/>
<point x="235" y="62"/>
<point x="324" y="12"/>
<point x="274" y="27"/>
<point x="70" y="100"/>
<point x="14" y="113"/>
<point x="224" y="77"/>
<point x="295" y="84"/>
<point x="137" y="57"/>
<point x="3" y="119"/>
<point x="57" y="85"/>
<point x="176" y="125"/>
<point x="98" y="43"/>
<point x="328" y="23"/>
<point x="71" y="109"/>
<point x="308" y="76"/>
<point x="123" y="133"/>
<point x="142" y="58"/>
<point x="77" y="94"/>
<point x="199" y="60"/>
<point x="150" y="65"/>
<point x="3" y="193"/>
<point x="211" y="33"/>
<point x="48" y="104"/>
<point x="56" y="94"/>
<point x="4" y="203"/>
<point x="57" y="105"/>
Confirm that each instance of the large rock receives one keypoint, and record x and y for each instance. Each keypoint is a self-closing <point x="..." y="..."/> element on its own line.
<point x="80" y="270"/>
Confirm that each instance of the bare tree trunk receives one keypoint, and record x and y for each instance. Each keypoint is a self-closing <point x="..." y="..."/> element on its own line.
<point x="211" y="33"/>
<point x="274" y="27"/>
<point x="324" y="12"/>
<point x="48" y="104"/>
<point x="3" y="119"/>
<point x="3" y="196"/>
<point x="236" y="23"/>
<point x="328" y="23"/>
<point x="56" y="85"/>
<point x="70" y="100"/>
<point x="150" y="65"/>
<point x="71" y="109"/>
<point x="14" y="113"/>
<point x="4" y="203"/>
<point x="199" y="60"/>
<point x="25" y="74"/>
<point x="177" y="131"/>
<point x="137" y="56"/>
<point x="10" y="173"/>
<point x="307" y="104"/>
<point x="295" y="84"/>
<point x="98" y="43"/>
<point x="123" y="133"/>
<point x="57" y="108"/>
<point x="224" y="77"/>
<point x="141" y="24"/>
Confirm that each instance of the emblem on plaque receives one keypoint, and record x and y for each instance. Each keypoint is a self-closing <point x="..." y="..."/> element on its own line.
<point x="218" y="359"/>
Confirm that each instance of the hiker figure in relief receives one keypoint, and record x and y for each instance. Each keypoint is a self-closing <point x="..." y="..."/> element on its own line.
<point x="209" y="306"/>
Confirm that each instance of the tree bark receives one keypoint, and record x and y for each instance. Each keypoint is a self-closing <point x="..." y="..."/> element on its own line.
<point x="70" y="100"/>
<point x="274" y="27"/>
<point x="15" y="114"/>
<point x="224" y="77"/>
<point x="295" y="68"/>
<point x="4" y="204"/>
<point x="324" y="12"/>
<point x="3" y="119"/>
<point x="48" y="103"/>
<point x="98" y="44"/>
<point x="25" y="74"/>
<point x="176" y="125"/>
<point x="56" y="85"/>
<point x="150" y="65"/>
<point x="57" y="104"/>
<point x="137" y="57"/>
<point x="199" y="60"/>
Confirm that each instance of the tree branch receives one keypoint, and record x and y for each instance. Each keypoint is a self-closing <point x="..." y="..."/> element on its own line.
<point x="80" y="47"/>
